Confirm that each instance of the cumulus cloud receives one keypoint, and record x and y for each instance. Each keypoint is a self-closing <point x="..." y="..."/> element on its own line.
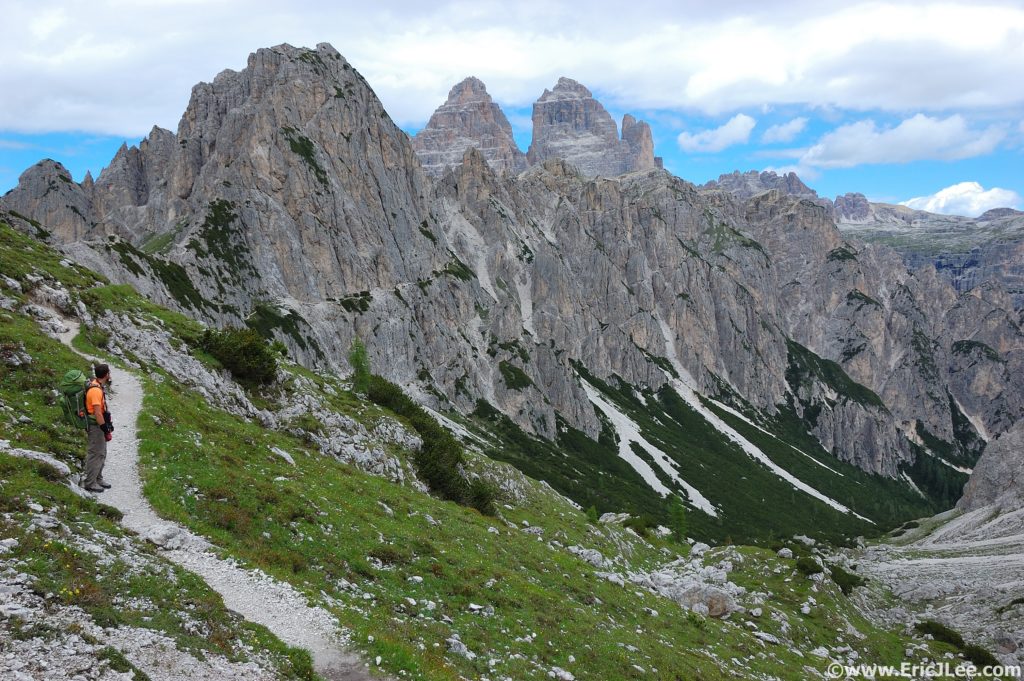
<point x="784" y="132"/>
<point x="735" y="131"/>
<point x="917" y="138"/>
<point x="966" y="198"/>
<point x="115" y="67"/>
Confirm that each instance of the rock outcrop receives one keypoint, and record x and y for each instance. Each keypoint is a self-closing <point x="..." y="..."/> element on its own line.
<point x="468" y="119"/>
<point x="967" y="252"/>
<point x="569" y="124"/>
<point x="998" y="479"/>
<point x="46" y="195"/>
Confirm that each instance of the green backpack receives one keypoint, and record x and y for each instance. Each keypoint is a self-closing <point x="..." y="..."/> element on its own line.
<point x="72" y="398"/>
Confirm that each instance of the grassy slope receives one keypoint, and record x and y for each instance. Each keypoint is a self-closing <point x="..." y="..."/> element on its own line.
<point x="111" y="594"/>
<point x="323" y="526"/>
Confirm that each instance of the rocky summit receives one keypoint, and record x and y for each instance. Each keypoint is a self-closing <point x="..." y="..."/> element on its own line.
<point x="568" y="123"/>
<point x="468" y="119"/>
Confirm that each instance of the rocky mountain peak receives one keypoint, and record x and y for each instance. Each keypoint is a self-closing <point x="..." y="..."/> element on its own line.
<point x="852" y="207"/>
<point x="47" y="195"/>
<point x="470" y="89"/>
<point x="567" y="88"/>
<point x="745" y="185"/>
<point x="998" y="213"/>
<point x="468" y="119"/>
<point x="569" y="123"/>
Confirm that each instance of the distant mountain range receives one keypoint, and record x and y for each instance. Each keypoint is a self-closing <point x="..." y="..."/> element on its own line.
<point x="969" y="252"/>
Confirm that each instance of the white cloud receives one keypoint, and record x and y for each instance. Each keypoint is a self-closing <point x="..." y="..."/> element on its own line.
<point x="966" y="198"/>
<point x="735" y="131"/>
<point x="917" y="138"/>
<point x="784" y="132"/>
<point x="118" y="67"/>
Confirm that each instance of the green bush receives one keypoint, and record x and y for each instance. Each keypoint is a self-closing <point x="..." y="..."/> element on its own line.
<point x="808" y="566"/>
<point x="440" y="459"/>
<point x="677" y="520"/>
<point x="360" y="362"/>
<point x="940" y="632"/>
<point x="244" y="352"/>
<point x="979" y="656"/>
<point x="847" y="581"/>
<point x="642" y="524"/>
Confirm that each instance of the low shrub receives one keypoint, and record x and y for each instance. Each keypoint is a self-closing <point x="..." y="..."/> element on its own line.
<point x="642" y="524"/>
<point x="244" y="352"/>
<point x="808" y="566"/>
<point x="439" y="461"/>
<point x="975" y="653"/>
<point x="847" y="581"/>
<point x="940" y="632"/>
<point x="979" y="656"/>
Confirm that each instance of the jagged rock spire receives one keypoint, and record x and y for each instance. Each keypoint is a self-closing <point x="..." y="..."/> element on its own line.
<point x="468" y="119"/>
<point x="569" y="123"/>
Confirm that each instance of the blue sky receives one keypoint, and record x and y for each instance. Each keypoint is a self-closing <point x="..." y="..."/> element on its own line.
<point x="897" y="100"/>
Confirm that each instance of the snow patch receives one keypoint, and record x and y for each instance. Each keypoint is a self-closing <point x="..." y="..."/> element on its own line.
<point x="628" y="433"/>
<point x="740" y="416"/>
<point x="912" y="484"/>
<point x="960" y="469"/>
<point x="978" y="424"/>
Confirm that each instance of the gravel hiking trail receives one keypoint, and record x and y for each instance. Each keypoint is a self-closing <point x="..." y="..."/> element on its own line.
<point x="251" y="593"/>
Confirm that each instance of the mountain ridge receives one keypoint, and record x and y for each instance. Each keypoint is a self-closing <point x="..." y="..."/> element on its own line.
<point x="289" y="201"/>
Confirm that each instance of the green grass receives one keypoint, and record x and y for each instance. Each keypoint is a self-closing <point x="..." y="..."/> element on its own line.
<point x="21" y="255"/>
<point x="162" y="598"/>
<point x="970" y="347"/>
<point x="267" y="319"/>
<point x="304" y="148"/>
<point x="27" y="389"/>
<point x="173" y="275"/>
<point x="841" y="254"/>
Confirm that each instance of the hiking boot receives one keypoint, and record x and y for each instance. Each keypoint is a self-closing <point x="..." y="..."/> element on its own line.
<point x="104" y="484"/>
<point x="94" y="488"/>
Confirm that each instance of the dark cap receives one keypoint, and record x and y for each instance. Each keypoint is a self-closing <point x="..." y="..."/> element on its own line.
<point x="102" y="370"/>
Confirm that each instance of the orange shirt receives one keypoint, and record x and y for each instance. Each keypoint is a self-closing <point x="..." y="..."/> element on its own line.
<point x="94" y="398"/>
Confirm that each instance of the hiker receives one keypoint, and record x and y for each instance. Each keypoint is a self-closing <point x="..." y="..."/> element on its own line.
<point x="99" y="431"/>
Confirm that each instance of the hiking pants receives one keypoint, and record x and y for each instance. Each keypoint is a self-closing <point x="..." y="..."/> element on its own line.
<point x="95" y="456"/>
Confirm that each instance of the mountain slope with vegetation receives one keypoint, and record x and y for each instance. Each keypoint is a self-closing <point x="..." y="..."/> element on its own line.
<point x="427" y="588"/>
<point x="288" y="202"/>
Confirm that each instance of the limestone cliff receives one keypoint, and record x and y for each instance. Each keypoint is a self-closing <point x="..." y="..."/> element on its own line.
<point x="998" y="479"/>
